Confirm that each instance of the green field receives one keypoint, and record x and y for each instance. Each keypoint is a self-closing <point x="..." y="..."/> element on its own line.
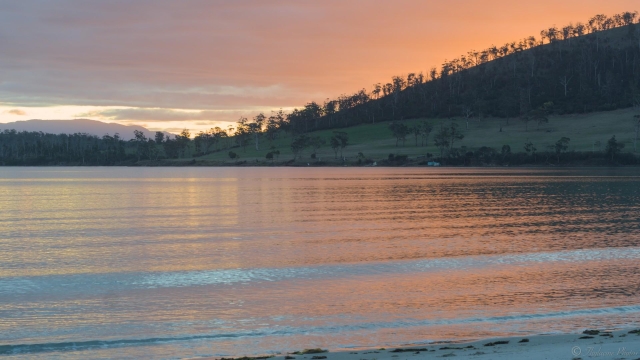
<point x="376" y="142"/>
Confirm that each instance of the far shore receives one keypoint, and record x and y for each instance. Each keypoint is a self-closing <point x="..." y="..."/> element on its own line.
<point x="311" y="164"/>
<point x="605" y="344"/>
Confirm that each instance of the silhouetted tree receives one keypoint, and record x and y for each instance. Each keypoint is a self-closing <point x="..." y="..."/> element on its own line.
<point x="561" y="146"/>
<point x="442" y="139"/>
<point x="425" y="131"/>
<point x="340" y="139"/>
<point x="613" y="147"/>
<point x="400" y="131"/>
<point x="454" y="134"/>
<point x="159" y="138"/>
<point x="298" y="144"/>
<point x="316" y="142"/>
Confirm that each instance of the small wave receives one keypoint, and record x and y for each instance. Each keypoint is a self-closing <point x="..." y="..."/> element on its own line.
<point x="102" y="344"/>
<point x="198" y="278"/>
<point x="319" y="330"/>
<point x="100" y="283"/>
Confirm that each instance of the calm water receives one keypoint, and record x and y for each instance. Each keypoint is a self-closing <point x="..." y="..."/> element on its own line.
<point x="189" y="262"/>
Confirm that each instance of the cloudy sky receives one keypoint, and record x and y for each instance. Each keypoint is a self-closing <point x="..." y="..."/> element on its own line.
<point x="169" y="64"/>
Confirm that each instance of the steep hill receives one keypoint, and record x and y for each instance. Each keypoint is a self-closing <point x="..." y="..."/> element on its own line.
<point x="576" y="69"/>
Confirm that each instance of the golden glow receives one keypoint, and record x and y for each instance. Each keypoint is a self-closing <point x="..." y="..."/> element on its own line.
<point x="237" y="59"/>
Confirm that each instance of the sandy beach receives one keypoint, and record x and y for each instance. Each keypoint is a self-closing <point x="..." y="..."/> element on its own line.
<point x="621" y="344"/>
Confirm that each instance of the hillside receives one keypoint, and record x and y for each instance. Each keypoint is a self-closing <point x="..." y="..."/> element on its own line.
<point x="376" y="141"/>
<point x="578" y="69"/>
<point x="588" y="134"/>
<point x="583" y="79"/>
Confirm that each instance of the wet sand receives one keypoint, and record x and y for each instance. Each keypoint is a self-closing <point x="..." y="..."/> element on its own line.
<point x="621" y="344"/>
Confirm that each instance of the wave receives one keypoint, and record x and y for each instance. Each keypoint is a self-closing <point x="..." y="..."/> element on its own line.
<point x="99" y="283"/>
<point x="102" y="344"/>
<point x="320" y="330"/>
<point x="199" y="278"/>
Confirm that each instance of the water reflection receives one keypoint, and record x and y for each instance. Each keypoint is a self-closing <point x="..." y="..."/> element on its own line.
<point x="381" y="255"/>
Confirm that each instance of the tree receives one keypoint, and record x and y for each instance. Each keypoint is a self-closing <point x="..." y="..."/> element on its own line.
<point x="468" y="113"/>
<point x="506" y="151"/>
<point x="530" y="148"/>
<point x="561" y="146"/>
<point x="299" y="144"/>
<point x="243" y="132"/>
<point x="454" y="134"/>
<point x="316" y="142"/>
<point x="416" y="130"/>
<point x="159" y="137"/>
<point x="272" y="128"/>
<point x="141" y="144"/>
<point x="183" y="140"/>
<point x="275" y="152"/>
<point x="539" y="115"/>
<point x="335" y="145"/>
<point x="426" y="130"/>
<point x="152" y="149"/>
<point x="613" y="147"/>
<point x="441" y="139"/>
<point x="400" y="131"/>
<point x="198" y="141"/>
<point x="628" y="18"/>
<point x="564" y="81"/>
<point x="341" y="139"/>
<point x="635" y="139"/>
<point x="256" y="128"/>
<point x="171" y="148"/>
<point x="204" y="140"/>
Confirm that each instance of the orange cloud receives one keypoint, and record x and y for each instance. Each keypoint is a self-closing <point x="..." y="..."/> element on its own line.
<point x="16" y="112"/>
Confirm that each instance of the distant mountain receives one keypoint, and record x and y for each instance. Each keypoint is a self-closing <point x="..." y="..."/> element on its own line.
<point x="92" y="127"/>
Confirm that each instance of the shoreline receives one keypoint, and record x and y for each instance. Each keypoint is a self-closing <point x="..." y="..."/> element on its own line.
<point x="201" y="164"/>
<point x="613" y="344"/>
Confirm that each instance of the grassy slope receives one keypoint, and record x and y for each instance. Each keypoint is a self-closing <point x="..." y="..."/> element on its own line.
<point x="376" y="142"/>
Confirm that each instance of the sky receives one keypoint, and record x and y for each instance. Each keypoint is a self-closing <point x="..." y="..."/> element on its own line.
<point x="195" y="64"/>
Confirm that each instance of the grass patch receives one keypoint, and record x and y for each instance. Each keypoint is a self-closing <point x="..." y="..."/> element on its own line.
<point x="376" y="142"/>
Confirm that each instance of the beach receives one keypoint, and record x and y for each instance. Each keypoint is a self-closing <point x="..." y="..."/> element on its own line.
<point x="620" y="344"/>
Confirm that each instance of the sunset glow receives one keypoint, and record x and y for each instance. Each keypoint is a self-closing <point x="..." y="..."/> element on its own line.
<point x="171" y="65"/>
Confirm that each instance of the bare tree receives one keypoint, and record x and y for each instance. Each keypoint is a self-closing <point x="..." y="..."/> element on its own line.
<point x="468" y="113"/>
<point x="564" y="81"/>
<point x="635" y="140"/>
<point x="256" y="128"/>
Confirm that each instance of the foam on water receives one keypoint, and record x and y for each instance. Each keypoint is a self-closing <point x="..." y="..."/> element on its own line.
<point x="87" y="283"/>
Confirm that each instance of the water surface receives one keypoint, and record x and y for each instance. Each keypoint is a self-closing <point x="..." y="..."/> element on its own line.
<point x="189" y="262"/>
